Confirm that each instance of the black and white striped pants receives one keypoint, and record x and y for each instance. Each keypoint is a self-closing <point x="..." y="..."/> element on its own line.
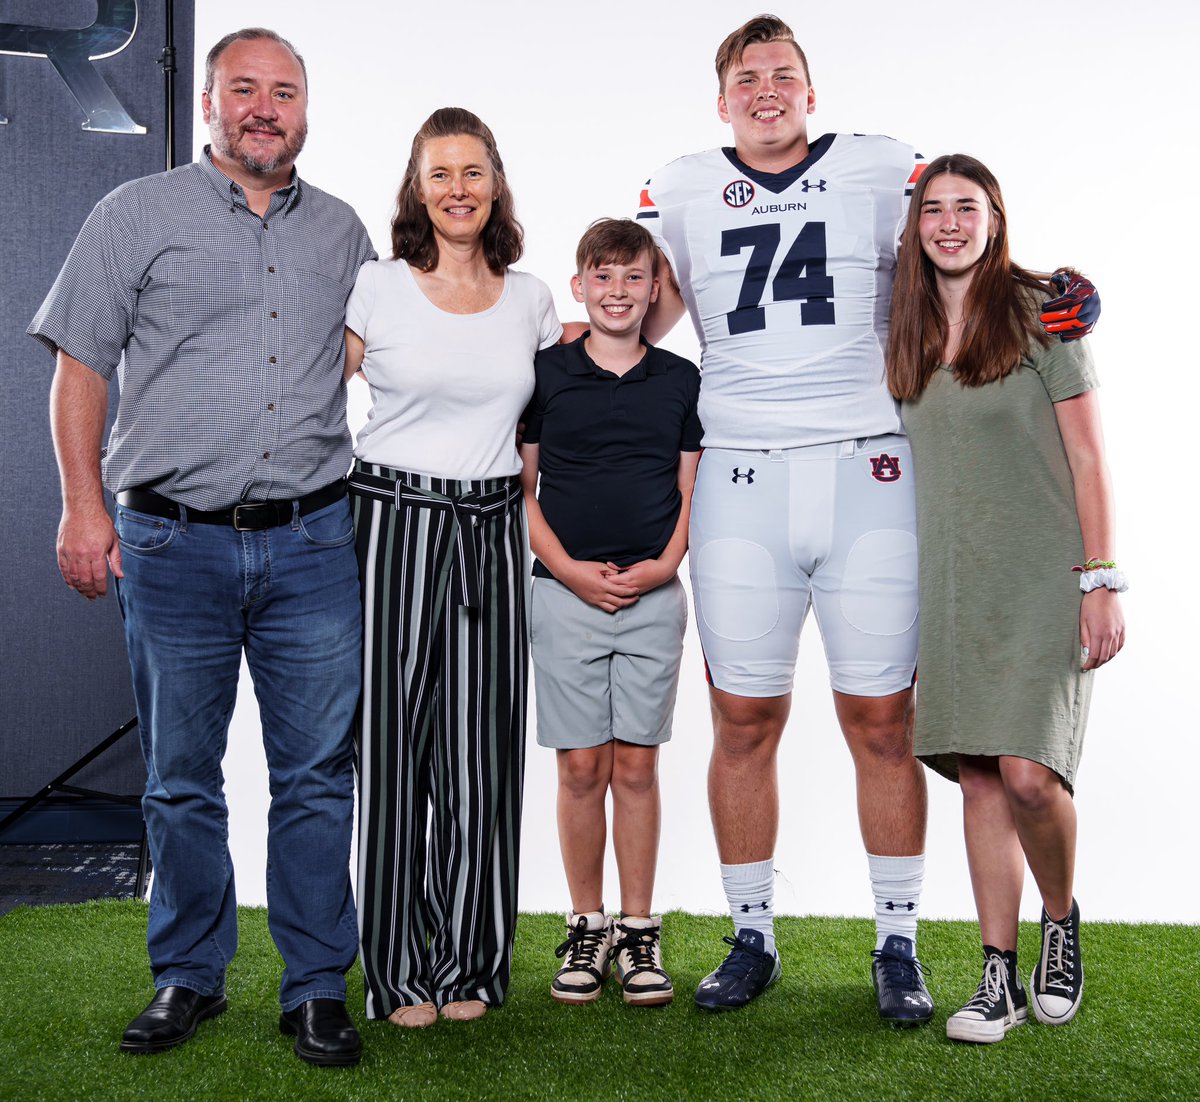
<point x="444" y="576"/>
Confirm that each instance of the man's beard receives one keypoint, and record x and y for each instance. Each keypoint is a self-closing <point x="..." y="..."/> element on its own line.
<point x="225" y="140"/>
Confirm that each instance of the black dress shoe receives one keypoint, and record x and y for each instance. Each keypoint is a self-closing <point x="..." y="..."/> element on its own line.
<point x="324" y="1033"/>
<point x="170" y="1019"/>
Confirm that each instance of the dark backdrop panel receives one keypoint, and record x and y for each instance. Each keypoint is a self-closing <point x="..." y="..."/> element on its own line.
<point x="64" y="669"/>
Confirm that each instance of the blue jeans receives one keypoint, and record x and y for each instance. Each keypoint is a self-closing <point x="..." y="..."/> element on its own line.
<point x="193" y="597"/>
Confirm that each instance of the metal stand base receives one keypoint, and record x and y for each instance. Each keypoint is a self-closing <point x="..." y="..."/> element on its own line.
<point x="59" y="785"/>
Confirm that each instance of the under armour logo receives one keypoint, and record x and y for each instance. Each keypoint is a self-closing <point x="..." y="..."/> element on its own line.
<point x="746" y="907"/>
<point x="885" y="468"/>
<point x="748" y="476"/>
<point x="806" y="186"/>
<point x="900" y="906"/>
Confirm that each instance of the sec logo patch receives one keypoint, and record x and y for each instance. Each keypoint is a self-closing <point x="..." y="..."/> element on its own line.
<point x="739" y="193"/>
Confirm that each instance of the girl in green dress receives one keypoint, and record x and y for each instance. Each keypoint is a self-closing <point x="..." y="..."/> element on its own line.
<point x="1012" y="494"/>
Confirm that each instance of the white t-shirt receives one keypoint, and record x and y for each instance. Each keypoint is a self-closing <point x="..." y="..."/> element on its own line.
<point x="447" y="389"/>
<point x="787" y="278"/>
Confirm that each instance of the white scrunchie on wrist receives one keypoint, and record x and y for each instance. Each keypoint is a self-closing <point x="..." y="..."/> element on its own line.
<point x="1108" y="578"/>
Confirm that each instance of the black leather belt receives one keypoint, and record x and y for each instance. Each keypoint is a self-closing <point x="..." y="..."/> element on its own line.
<point x="247" y="516"/>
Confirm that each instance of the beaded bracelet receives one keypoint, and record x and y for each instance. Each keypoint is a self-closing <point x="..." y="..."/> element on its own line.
<point x="1101" y="574"/>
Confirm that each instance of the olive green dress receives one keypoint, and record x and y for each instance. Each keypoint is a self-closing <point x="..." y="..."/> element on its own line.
<point x="999" y="666"/>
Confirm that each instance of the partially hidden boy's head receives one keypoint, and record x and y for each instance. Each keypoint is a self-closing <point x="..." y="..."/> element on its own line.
<point x="616" y="265"/>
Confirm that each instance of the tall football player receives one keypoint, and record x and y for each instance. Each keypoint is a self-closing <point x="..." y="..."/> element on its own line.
<point x="782" y="251"/>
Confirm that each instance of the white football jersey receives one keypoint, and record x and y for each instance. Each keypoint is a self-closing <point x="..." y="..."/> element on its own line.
<point x="788" y="279"/>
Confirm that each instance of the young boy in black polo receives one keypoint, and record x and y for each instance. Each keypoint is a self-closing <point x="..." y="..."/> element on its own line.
<point x="613" y="431"/>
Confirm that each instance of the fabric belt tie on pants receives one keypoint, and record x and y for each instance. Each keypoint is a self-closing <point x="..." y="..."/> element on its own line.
<point x="468" y="511"/>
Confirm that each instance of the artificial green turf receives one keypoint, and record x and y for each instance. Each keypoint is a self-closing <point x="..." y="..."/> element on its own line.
<point x="71" y="978"/>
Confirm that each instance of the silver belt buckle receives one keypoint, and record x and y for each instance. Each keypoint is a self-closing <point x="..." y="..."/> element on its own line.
<point x="238" y="526"/>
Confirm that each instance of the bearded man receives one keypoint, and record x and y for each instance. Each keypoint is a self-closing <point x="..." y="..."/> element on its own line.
<point x="217" y="293"/>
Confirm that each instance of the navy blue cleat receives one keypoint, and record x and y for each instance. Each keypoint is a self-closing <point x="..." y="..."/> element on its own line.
<point x="743" y="975"/>
<point x="899" y="983"/>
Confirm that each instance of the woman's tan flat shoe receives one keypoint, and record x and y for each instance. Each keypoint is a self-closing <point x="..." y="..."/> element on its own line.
<point x="414" y="1017"/>
<point x="465" y="1011"/>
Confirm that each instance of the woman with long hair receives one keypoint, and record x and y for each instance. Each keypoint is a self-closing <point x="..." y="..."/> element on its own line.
<point x="445" y="333"/>
<point x="1018" y="580"/>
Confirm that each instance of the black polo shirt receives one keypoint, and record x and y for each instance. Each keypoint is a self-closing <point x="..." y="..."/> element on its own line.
<point x="609" y="450"/>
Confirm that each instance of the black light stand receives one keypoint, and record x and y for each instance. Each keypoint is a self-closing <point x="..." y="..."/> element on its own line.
<point x="166" y="61"/>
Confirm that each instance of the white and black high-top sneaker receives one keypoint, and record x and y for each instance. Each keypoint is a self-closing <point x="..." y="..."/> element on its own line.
<point x="1000" y="1002"/>
<point x="586" y="967"/>
<point x="1057" y="981"/>
<point x="637" y="958"/>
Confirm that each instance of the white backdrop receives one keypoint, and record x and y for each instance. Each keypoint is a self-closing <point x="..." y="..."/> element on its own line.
<point x="1086" y="113"/>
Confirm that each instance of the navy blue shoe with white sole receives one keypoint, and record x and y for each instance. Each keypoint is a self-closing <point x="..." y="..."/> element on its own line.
<point x="743" y="975"/>
<point x="899" y="983"/>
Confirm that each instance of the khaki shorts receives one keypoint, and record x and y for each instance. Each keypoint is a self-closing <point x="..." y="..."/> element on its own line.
<point x="600" y="676"/>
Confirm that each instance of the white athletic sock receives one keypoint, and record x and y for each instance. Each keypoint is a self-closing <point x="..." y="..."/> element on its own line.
<point x="896" y="882"/>
<point x="750" y="890"/>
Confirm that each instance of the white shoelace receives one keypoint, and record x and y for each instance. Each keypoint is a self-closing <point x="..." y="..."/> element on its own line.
<point x="1058" y="956"/>
<point x="992" y="988"/>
